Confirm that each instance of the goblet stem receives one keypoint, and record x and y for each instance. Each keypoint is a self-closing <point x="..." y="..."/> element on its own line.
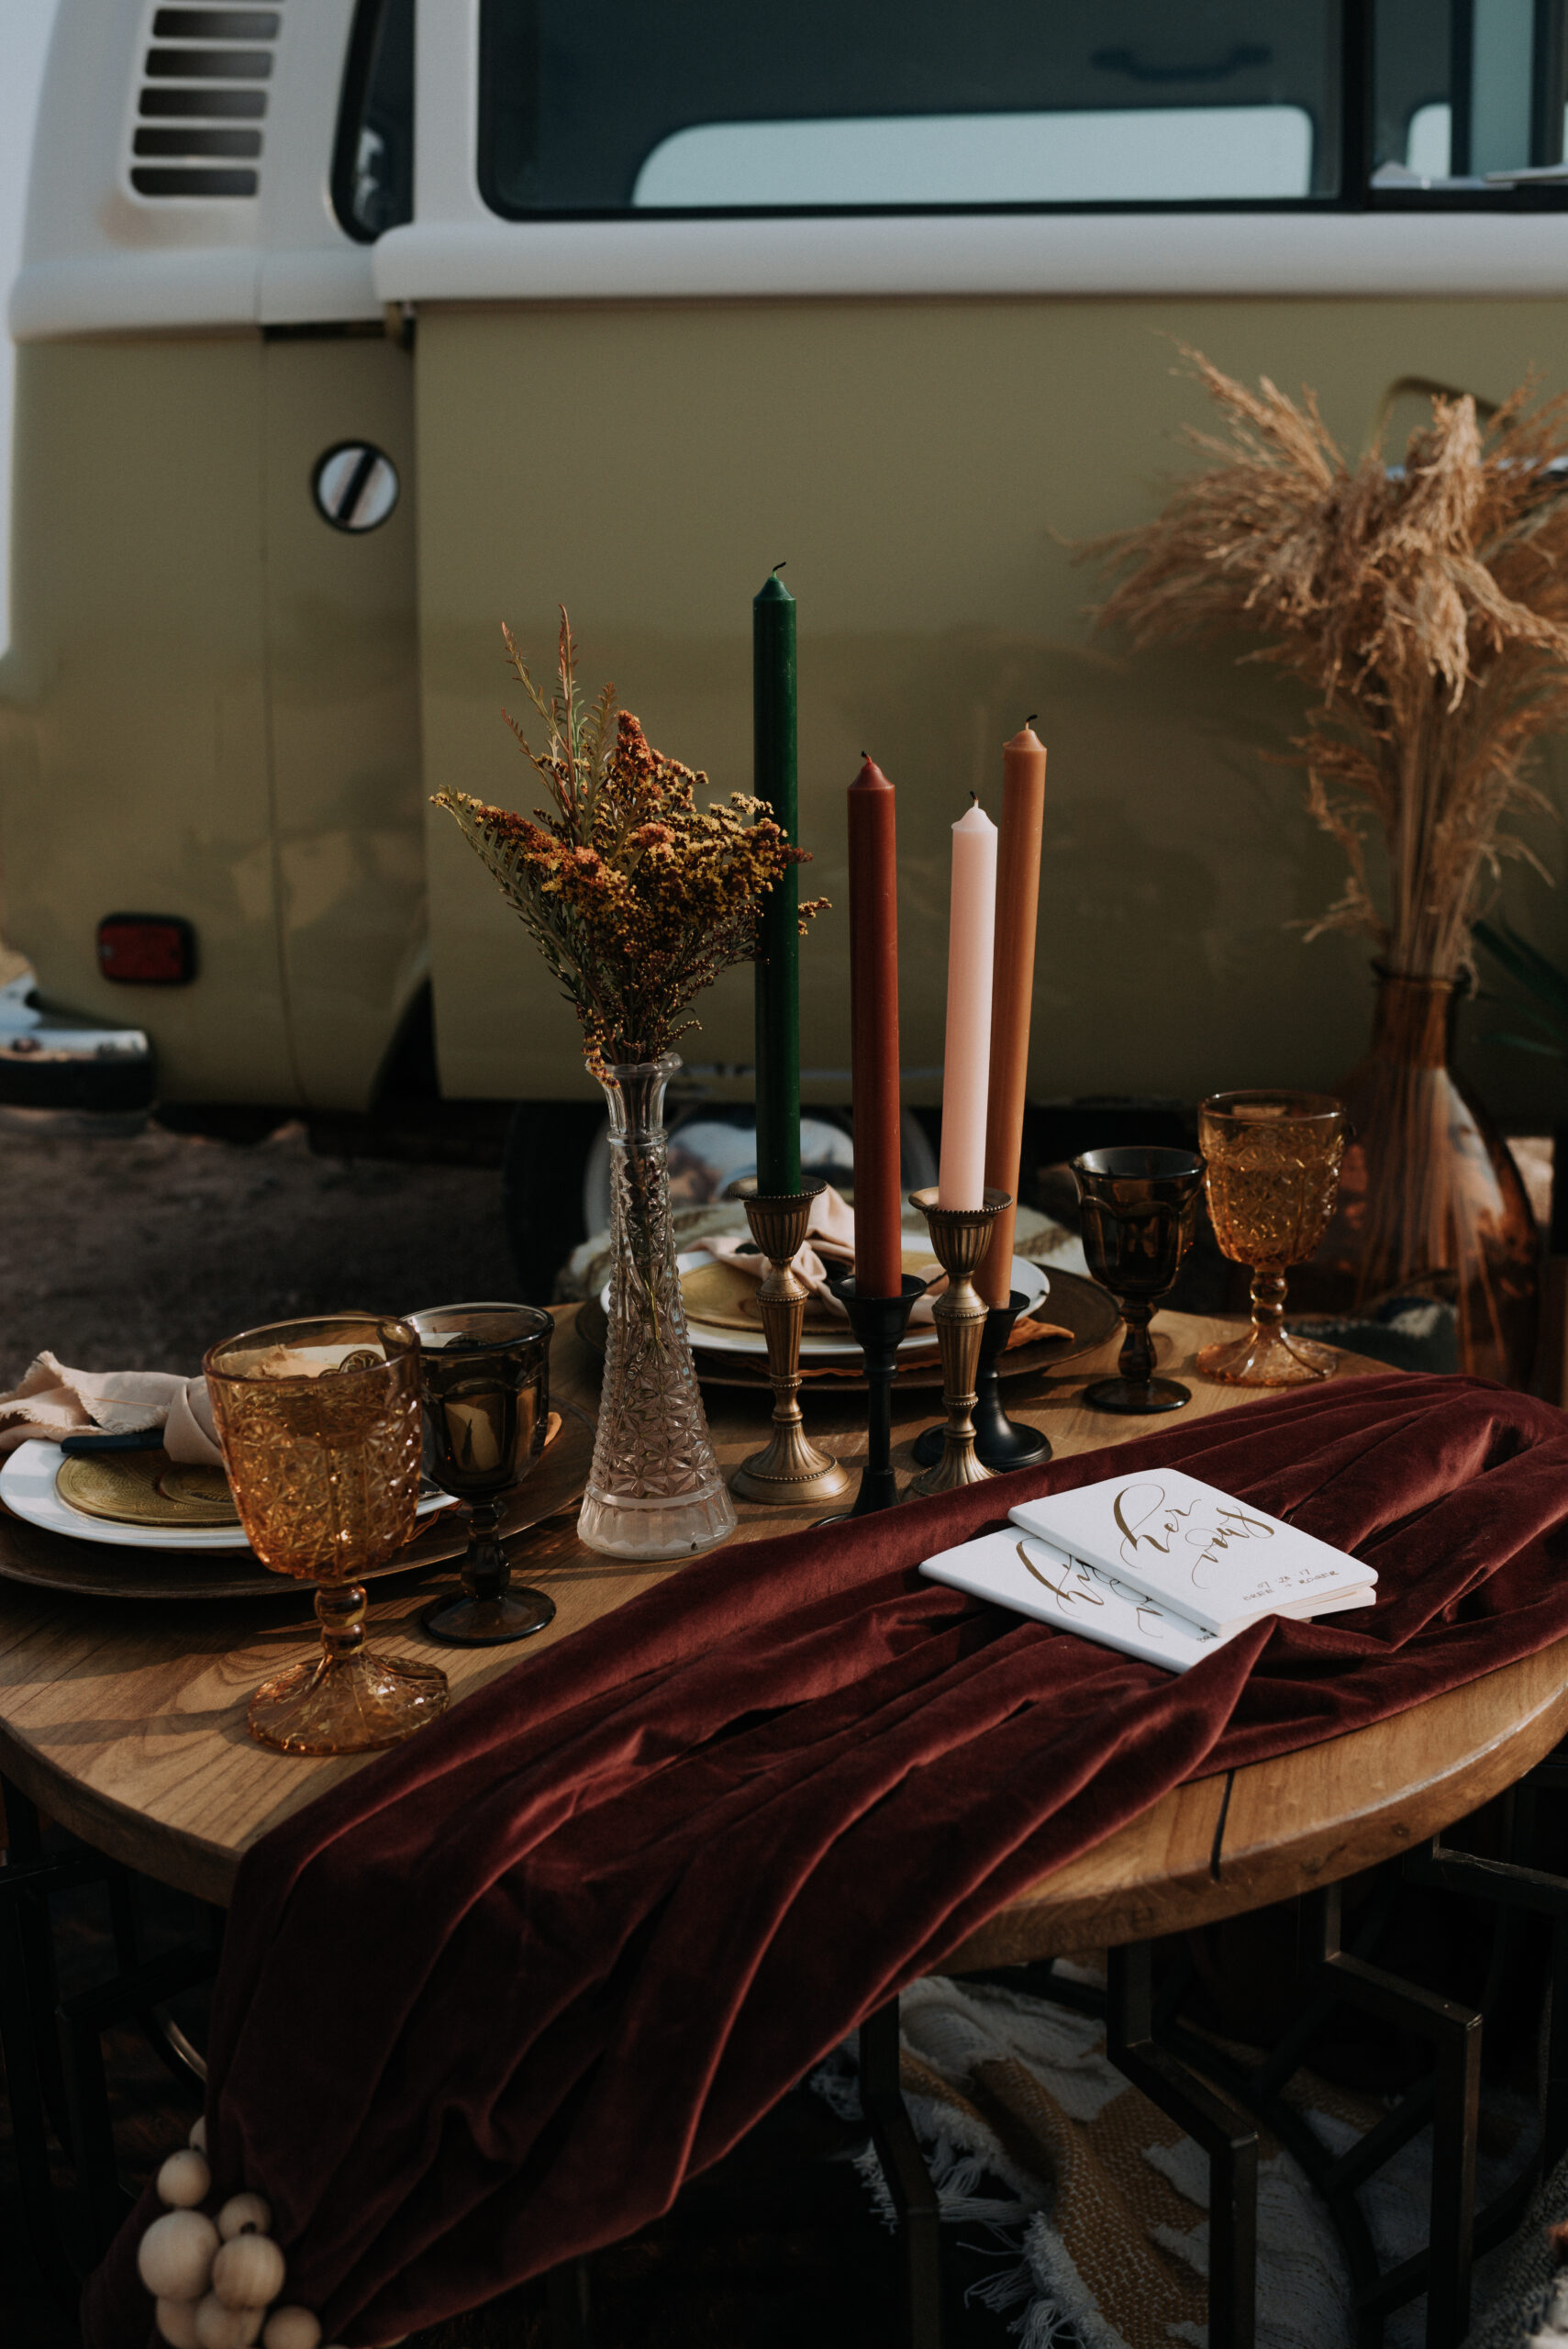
<point x="486" y="1570"/>
<point x="1136" y="1360"/>
<point x="486" y="1612"/>
<point x="1135" y="1390"/>
<point x="1268" y="1300"/>
<point x="340" y="1612"/>
<point x="344" y="1699"/>
<point x="1267" y="1354"/>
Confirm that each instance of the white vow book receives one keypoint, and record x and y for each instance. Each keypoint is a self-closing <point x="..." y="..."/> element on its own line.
<point x="1219" y="1562"/>
<point x="1033" y="1577"/>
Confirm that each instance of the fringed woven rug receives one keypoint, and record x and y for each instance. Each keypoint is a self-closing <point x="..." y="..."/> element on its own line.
<point x="1094" y="2203"/>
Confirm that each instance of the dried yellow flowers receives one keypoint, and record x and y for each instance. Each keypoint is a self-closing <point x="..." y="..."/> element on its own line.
<point x="636" y="898"/>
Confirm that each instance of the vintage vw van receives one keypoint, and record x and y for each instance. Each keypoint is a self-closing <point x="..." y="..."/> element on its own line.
<point x="348" y="331"/>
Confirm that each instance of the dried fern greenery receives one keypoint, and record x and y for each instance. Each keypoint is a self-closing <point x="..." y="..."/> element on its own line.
<point x="636" y="897"/>
<point x="1426" y="605"/>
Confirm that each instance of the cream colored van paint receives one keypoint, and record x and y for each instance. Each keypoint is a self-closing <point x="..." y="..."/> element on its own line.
<point x="211" y="702"/>
<point x="915" y="463"/>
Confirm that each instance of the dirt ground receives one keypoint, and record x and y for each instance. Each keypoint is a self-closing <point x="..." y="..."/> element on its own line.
<point x="138" y="1253"/>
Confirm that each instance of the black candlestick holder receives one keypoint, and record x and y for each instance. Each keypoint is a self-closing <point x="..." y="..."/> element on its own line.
<point x="879" y="1323"/>
<point x="1000" y="1443"/>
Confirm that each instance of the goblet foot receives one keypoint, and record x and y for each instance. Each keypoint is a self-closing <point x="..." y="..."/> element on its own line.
<point x="345" y="1704"/>
<point x="1267" y="1357"/>
<point x="1133" y="1397"/>
<point x="463" y="1620"/>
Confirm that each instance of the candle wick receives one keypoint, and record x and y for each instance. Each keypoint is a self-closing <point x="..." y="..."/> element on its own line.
<point x="777" y="568"/>
<point x="1031" y="718"/>
<point x="974" y="800"/>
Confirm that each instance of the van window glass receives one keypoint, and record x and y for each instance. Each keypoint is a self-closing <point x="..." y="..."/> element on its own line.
<point x="373" y="164"/>
<point x="615" y="106"/>
<point x="1469" y="91"/>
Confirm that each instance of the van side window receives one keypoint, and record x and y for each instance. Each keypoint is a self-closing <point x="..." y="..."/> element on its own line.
<point x="372" y="162"/>
<point x="615" y="108"/>
<point x="1470" y="93"/>
<point x="605" y="106"/>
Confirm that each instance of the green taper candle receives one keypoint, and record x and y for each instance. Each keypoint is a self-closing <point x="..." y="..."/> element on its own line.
<point x="778" y="955"/>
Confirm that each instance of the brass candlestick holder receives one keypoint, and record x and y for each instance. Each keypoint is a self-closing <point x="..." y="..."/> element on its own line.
<point x="790" y="1469"/>
<point x="960" y="1237"/>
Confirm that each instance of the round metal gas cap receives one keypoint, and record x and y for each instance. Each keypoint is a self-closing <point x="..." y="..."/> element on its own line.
<point x="355" y="486"/>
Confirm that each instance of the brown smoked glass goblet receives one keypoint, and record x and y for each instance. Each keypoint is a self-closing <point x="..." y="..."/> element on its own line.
<point x="319" y="1425"/>
<point x="1140" y="1209"/>
<point x="484" y="1376"/>
<point x="1273" y="1176"/>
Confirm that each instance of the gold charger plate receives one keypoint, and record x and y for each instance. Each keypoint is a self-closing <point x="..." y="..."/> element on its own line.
<point x="146" y="1488"/>
<point x="1088" y="1313"/>
<point x="45" y="1560"/>
<point x="726" y="1298"/>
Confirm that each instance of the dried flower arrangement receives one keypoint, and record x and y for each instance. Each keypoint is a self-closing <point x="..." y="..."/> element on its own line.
<point x="636" y="898"/>
<point x="1427" y="605"/>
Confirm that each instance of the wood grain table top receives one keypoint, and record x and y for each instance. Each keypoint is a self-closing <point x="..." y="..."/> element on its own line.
<point x="126" y="1719"/>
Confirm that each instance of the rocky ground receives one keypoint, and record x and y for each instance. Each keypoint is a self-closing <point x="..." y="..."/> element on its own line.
<point x="140" y="1253"/>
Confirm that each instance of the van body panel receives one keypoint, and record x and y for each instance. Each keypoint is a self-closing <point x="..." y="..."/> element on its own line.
<point x="342" y="655"/>
<point x="920" y="466"/>
<point x="137" y="682"/>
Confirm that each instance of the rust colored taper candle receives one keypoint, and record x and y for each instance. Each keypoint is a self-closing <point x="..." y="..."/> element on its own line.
<point x="1012" y="991"/>
<point x="873" y="1022"/>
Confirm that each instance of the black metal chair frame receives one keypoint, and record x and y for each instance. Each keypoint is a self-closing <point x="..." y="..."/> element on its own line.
<point x="54" y="2065"/>
<point x="53" y="2046"/>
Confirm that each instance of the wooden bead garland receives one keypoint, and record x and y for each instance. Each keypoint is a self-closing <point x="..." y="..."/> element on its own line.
<point x="176" y="2253"/>
<point x="290" y="2329"/>
<point x="244" y="2214"/>
<point x="248" y="2272"/>
<point x="177" y="2322"/>
<point x="212" y="2284"/>
<point x="184" y="2180"/>
<point x="224" y="2328"/>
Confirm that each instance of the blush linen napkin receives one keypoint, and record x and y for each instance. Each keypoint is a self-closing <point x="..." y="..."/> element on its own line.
<point x="52" y="1402"/>
<point x="486" y="2003"/>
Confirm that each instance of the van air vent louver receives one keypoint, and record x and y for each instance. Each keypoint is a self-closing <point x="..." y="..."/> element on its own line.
<point x="203" y="97"/>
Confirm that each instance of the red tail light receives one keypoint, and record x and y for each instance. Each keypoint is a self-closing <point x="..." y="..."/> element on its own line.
<point x="146" y="950"/>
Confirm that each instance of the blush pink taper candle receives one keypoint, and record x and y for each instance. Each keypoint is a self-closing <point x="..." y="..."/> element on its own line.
<point x="972" y="924"/>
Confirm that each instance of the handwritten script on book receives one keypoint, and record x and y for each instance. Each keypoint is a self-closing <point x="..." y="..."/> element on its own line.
<point x="1074" y="1584"/>
<point x="1199" y="1536"/>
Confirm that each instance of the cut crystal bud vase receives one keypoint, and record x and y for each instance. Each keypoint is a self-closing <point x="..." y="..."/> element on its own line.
<point x="655" y="1490"/>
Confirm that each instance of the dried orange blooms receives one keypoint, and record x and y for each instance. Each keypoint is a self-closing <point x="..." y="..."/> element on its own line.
<point x="1427" y="604"/>
<point x="635" y="897"/>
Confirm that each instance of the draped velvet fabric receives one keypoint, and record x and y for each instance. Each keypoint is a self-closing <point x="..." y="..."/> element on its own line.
<point x="485" y="2004"/>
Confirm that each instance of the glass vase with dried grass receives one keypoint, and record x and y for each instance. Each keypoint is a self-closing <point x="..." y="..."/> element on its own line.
<point x="1426" y="606"/>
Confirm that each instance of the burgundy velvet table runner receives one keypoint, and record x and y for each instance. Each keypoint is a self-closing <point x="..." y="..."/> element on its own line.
<point x="488" y="2003"/>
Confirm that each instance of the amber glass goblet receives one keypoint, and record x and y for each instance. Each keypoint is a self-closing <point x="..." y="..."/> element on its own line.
<point x="1273" y="1176"/>
<point x="319" y="1425"/>
<point x="1140" y="1210"/>
<point x="484" y="1374"/>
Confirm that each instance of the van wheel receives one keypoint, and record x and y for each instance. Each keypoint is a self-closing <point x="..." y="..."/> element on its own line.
<point x="541" y="1188"/>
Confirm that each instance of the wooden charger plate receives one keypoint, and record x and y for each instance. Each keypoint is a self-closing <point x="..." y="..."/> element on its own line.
<point x="1088" y="1312"/>
<point x="103" y="1570"/>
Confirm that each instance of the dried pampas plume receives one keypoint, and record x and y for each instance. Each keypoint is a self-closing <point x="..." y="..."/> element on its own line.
<point x="1426" y="604"/>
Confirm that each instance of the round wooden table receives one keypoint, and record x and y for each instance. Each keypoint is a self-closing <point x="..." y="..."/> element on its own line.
<point x="126" y="1719"/>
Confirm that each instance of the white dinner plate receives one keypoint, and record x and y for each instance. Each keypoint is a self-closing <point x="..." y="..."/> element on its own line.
<point x="27" y="1489"/>
<point x="715" y="1340"/>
